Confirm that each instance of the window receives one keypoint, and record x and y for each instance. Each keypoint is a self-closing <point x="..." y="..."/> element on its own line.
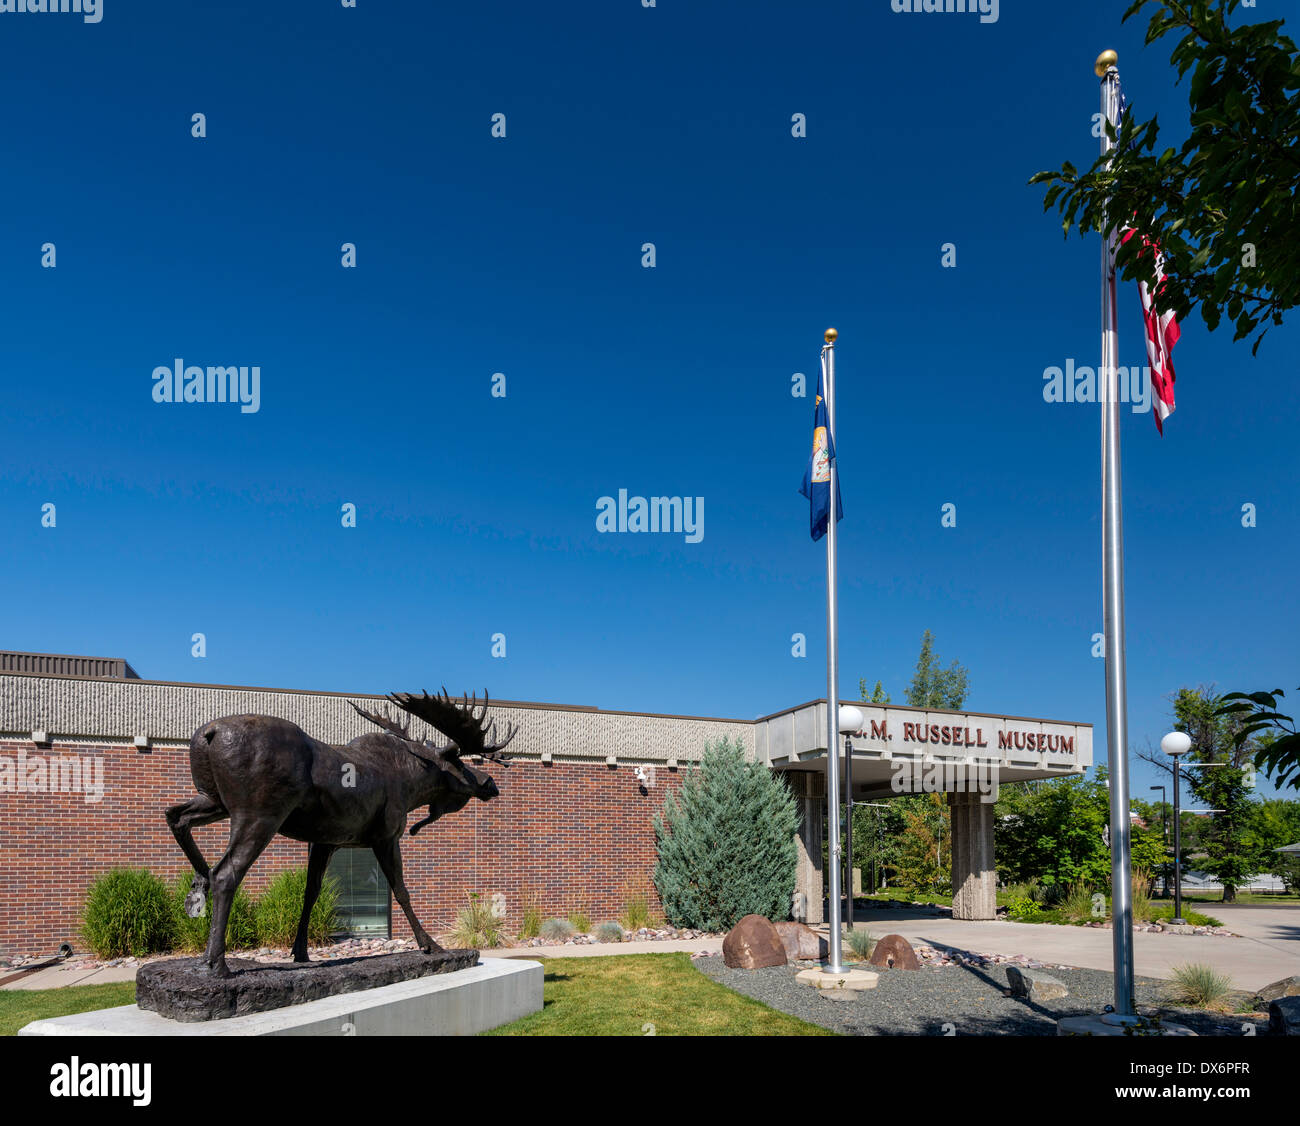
<point x="364" y="900"/>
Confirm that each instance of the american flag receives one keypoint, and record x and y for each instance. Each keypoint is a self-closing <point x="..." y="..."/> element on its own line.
<point x="1161" y="328"/>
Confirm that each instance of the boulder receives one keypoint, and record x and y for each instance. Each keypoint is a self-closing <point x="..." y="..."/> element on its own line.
<point x="753" y="943"/>
<point x="1030" y="985"/>
<point x="1284" y="1016"/>
<point x="1287" y="987"/>
<point x="801" y="942"/>
<point x="894" y="952"/>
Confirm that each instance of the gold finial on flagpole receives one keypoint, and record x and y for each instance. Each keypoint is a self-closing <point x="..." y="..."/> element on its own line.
<point x="831" y="336"/>
<point x="1105" y="61"/>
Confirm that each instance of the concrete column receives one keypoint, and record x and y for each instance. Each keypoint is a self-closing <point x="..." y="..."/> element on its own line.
<point x="974" y="878"/>
<point x="809" y="789"/>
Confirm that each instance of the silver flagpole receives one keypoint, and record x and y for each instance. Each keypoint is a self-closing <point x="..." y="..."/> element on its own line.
<point x="1112" y="519"/>
<point x="832" y="674"/>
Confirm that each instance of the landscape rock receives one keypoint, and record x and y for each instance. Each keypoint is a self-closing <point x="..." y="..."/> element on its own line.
<point x="1284" y="1016"/>
<point x="894" y="952"/>
<point x="802" y="942"/>
<point x="752" y="944"/>
<point x="1287" y="987"/>
<point x="1030" y="985"/>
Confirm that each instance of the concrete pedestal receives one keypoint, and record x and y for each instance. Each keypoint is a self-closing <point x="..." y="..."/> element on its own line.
<point x="456" y="1004"/>
<point x="974" y="878"/>
<point x="810" y="793"/>
<point x="1093" y="1025"/>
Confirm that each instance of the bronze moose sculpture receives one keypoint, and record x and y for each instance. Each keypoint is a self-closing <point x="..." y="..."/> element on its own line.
<point x="269" y="776"/>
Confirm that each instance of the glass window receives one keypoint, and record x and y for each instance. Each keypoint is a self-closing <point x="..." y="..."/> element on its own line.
<point x="363" y="893"/>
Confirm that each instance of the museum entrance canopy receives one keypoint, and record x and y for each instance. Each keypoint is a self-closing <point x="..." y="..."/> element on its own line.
<point x="894" y="739"/>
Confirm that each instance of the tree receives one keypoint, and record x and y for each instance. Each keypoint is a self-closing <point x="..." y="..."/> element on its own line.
<point x="1222" y="206"/>
<point x="921" y="866"/>
<point x="936" y="687"/>
<point x="878" y="694"/>
<point x="1277" y="753"/>
<point x="1053" y="832"/>
<point x="1224" y="785"/>
<point x="726" y="842"/>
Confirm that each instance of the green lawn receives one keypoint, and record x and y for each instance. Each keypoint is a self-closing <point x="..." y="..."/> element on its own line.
<point x="22" y="1006"/>
<point x="646" y="994"/>
<point x="614" y="996"/>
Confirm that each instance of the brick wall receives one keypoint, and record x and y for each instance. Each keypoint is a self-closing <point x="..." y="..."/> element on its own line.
<point x="575" y="833"/>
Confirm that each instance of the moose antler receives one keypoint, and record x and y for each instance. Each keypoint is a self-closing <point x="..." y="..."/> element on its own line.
<point x="464" y="723"/>
<point x="387" y="722"/>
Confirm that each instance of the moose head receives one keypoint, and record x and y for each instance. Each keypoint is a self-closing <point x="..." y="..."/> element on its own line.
<point x="465" y="724"/>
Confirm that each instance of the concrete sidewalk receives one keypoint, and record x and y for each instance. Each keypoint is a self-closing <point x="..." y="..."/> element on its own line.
<point x="70" y="973"/>
<point x="1268" y="950"/>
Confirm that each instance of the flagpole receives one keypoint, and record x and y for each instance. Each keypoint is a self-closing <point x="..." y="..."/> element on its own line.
<point x="1113" y="590"/>
<point x="832" y="673"/>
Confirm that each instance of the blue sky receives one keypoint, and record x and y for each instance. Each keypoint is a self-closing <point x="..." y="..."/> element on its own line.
<point x="522" y="255"/>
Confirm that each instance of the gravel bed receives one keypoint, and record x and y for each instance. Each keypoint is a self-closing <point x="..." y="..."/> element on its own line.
<point x="969" y="1000"/>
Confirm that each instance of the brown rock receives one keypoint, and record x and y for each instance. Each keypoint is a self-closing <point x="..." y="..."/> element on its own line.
<point x="753" y="943"/>
<point x="1287" y="987"/>
<point x="894" y="952"/>
<point x="802" y="942"/>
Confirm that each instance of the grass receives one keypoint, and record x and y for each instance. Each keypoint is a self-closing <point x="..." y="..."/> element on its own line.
<point x="476" y="925"/>
<point x="860" y="943"/>
<point x="22" y="1006"/>
<point x="1200" y="986"/>
<point x="1283" y="898"/>
<point x="581" y="921"/>
<point x="530" y="923"/>
<point x="643" y="995"/>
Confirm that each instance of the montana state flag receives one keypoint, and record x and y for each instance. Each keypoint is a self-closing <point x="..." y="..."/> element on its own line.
<point x="817" y="477"/>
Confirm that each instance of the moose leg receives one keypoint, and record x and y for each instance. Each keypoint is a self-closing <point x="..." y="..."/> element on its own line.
<point x="389" y="855"/>
<point x="200" y="810"/>
<point x="318" y="858"/>
<point x="248" y="839"/>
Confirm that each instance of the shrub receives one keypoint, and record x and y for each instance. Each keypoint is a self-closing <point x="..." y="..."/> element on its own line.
<point x="636" y="910"/>
<point x="530" y="922"/>
<point x="860" y="943"/>
<point x="1200" y="986"/>
<point x="127" y="911"/>
<point x="609" y="932"/>
<point x="557" y="930"/>
<point x="278" y="908"/>
<point x="1077" y="902"/>
<point x="191" y="935"/>
<point x="1024" y="909"/>
<point x="1141" y="893"/>
<point x="476" y="925"/>
<point x="581" y="921"/>
<point x="726" y="845"/>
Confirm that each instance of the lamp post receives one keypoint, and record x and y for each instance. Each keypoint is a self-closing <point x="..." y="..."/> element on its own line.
<point x="1164" y="828"/>
<point x="851" y="720"/>
<point x="1176" y="744"/>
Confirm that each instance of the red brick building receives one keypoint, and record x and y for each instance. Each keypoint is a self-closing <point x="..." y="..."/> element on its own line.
<point x="89" y="762"/>
<point x="91" y="756"/>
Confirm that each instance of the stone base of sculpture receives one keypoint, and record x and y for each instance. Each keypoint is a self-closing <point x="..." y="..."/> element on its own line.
<point x="180" y="989"/>
<point x="495" y="992"/>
